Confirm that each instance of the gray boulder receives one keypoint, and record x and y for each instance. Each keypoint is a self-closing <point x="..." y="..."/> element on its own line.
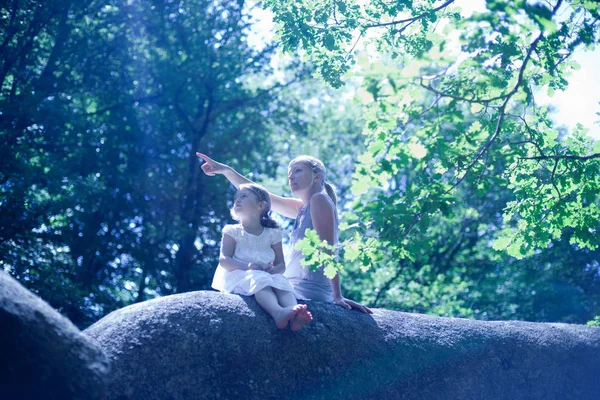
<point x="207" y="345"/>
<point x="43" y="355"/>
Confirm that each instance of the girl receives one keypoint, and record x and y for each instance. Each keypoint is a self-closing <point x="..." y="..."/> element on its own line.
<point x="315" y="208"/>
<point x="251" y="261"/>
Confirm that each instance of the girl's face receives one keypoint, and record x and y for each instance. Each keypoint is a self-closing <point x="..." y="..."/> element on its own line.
<point x="246" y="203"/>
<point x="300" y="177"/>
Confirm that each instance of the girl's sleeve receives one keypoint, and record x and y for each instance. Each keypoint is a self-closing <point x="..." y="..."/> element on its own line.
<point x="230" y="231"/>
<point x="276" y="236"/>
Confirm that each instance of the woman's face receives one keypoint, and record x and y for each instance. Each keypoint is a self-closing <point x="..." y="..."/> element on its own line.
<point x="300" y="177"/>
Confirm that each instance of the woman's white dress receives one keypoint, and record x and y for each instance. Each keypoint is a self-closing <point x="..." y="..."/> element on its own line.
<point x="250" y="248"/>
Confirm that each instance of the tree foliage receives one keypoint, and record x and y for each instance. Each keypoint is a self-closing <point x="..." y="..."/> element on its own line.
<point x="469" y="199"/>
<point x="103" y="107"/>
<point x="459" y="195"/>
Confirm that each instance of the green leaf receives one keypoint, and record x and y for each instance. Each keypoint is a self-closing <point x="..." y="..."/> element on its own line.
<point x="330" y="271"/>
<point x="417" y="150"/>
<point x="361" y="185"/>
<point x="501" y="243"/>
<point x="476" y="107"/>
<point x="329" y="42"/>
<point x="351" y="252"/>
<point x="376" y="147"/>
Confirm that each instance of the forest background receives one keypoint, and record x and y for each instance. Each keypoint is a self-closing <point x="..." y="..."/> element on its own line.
<point x="459" y="194"/>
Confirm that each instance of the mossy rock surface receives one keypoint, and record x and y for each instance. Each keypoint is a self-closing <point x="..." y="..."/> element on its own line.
<point x="208" y="345"/>
<point x="43" y="355"/>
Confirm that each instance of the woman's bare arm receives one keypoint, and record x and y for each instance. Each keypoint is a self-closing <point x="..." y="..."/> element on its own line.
<point x="322" y="214"/>
<point x="286" y="206"/>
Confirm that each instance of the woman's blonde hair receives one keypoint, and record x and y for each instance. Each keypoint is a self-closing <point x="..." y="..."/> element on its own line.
<point x="318" y="167"/>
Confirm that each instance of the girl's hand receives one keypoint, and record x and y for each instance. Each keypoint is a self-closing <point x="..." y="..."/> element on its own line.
<point x="270" y="267"/>
<point x="256" y="266"/>
<point x="349" y="304"/>
<point x="211" y="167"/>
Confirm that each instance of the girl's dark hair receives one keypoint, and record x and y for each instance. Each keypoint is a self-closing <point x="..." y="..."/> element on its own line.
<point x="262" y="195"/>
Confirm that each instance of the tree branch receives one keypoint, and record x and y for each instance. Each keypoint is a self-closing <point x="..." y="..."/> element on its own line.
<point x="460" y="98"/>
<point x="234" y="103"/>
<point x="502" y="111"/>
<point x="563" y="157"/>
<point x="552" y="180"/>
<point x="410" y="20"/>
<point x="114" y="106"/>
<point x="349" y="53"/>
<point x="385" y="287"/>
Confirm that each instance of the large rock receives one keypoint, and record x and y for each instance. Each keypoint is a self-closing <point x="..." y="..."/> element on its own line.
<point x="207" y="345"/>
<point x="44" y="356"/>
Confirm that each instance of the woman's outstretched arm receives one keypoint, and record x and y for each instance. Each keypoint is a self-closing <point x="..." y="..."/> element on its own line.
<point x="286" y="206"/>
<point x="322" y="214"/>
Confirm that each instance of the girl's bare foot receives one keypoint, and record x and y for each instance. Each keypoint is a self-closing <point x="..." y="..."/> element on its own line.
<point x="288" y="313"/>
<point x="302" y="318"/>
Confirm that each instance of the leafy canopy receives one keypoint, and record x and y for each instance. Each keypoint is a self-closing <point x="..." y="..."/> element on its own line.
<point x="477" y="76"/>
<point x="463" y="167"/>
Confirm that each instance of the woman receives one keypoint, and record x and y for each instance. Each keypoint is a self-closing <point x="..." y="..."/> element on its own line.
<point x="315" y="209"/>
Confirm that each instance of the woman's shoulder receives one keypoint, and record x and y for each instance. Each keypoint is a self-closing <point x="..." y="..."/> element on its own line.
<point x="321" y="200"/>
<point x="322" y="209"/>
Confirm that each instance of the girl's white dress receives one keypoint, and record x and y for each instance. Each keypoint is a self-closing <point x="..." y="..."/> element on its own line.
<point x="250" y="248"/>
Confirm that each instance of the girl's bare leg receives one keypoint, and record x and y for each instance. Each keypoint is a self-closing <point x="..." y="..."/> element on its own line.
<point x="302" y="317"/>
<point x="267" y="299"/>
<point x="285" y="298"/>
